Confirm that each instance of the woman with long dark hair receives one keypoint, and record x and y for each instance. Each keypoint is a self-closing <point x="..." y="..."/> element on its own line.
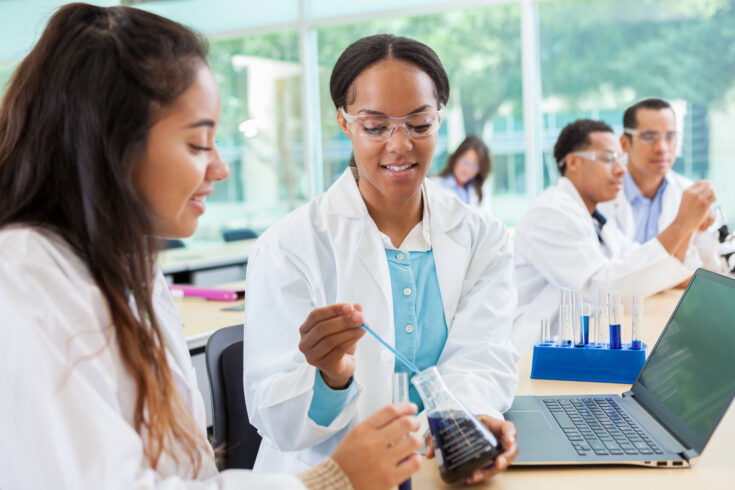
<point x="466" y="172"/>
<point x="107" y="142"/>
<point x="384" y="247"/>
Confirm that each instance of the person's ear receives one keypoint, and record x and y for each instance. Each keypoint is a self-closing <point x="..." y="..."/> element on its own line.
<point x="572" y="164"/>
<point x="343" y="123"/>
<point x="625" y="142"/>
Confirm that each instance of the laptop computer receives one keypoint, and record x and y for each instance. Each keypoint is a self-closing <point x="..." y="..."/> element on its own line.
<point x="671" y="410"/>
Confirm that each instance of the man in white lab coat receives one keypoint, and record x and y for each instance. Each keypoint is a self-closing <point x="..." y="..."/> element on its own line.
<point x="564" y="241"/>
<point x="651" y="190"/>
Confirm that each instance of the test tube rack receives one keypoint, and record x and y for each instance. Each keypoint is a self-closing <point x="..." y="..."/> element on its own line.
<point x="551" y="360"/>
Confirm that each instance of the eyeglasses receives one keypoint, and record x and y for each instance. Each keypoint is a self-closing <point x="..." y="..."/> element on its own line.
<point x="607" y="158"/>
<point x="469" y="164"/>
<point x="381" y="128"/>
<point x="651" y="137"/>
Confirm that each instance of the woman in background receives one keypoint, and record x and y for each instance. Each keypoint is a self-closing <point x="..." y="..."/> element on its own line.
<point x="466" y="172"/>
<point x="106" y="142"/>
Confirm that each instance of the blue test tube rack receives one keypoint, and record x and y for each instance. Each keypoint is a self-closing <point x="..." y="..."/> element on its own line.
<point x="589" y="363"/>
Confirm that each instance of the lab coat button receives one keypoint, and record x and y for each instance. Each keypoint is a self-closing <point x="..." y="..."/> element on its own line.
<point x="400" y="256"/>
<point x="407" y="292"/>
<point x="409" y="328"/>
<point x="385" y="356"/>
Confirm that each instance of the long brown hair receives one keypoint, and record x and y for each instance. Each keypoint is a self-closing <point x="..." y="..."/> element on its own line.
<point x="471" y="143"/>
<point x="73" y="124"/>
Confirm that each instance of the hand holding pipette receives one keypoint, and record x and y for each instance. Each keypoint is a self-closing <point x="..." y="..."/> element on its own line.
<point x="329" y="340"/>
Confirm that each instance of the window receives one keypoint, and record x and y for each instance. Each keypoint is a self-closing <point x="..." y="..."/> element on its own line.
<point x="260" y="133"/>
<point x="597" y="58"/>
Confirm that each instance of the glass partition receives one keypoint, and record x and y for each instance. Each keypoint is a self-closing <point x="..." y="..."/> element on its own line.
<point x="260" y="133"/>
<point x="598" y="57"/>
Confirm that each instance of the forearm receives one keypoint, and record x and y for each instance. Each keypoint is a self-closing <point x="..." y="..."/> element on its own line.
<point x="675" y="239"/>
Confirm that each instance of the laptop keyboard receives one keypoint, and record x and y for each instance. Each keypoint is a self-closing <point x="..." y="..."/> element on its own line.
<point x="600" y="426"/>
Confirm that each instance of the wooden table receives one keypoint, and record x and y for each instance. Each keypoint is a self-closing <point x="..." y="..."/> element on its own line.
<point x="714" y="470"/>
<point x="202" y="317"/>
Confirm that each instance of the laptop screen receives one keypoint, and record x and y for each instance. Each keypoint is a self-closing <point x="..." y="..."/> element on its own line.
<point x="688" y="381"/>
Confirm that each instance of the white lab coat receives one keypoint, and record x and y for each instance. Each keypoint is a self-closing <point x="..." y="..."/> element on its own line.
<point x="703" y="250"/>
<point x="556" y="245"/>
<point x="330" y="251"/>
<point x="66" y="415"/>
<point x="485" y="204"/>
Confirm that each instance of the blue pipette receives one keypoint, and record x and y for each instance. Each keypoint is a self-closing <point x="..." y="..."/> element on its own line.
<point x="398" y="355"/>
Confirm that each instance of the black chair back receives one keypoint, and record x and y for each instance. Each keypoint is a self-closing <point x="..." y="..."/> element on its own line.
<point x="236" y="441"/>
<point x="234" y="234"/>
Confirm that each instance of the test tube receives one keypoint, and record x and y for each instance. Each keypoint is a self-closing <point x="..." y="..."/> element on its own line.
<point x="637" y="325"/>
<point x="546" y="331"/>
<point x="585" y="313"/>
<point x="565" y="317"/>
<point x="601" y="319"/>
<point x="400" y="394"/>
<point x="615" y="304"/>
<point x="577" y="318"/>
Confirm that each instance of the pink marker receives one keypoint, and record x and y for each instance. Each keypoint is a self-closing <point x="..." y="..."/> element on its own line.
<point x="208" y="293"/>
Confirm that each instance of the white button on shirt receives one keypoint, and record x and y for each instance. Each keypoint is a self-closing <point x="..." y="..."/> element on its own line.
<point x="400" y="256"/>
<point x="407" y="292"/>
<point x="409" y="328"/>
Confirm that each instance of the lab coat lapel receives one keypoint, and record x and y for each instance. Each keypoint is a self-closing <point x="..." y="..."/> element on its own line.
<point x="450" y="243"/>
<point x="346" y="202"/>
<point x="374" y="260"/>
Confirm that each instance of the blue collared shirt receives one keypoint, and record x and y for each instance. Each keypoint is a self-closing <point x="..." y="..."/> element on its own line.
<point x="463" y="193"/>
<point x="646" y="211"/>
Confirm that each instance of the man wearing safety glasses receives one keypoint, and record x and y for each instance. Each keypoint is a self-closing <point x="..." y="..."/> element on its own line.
<point x="652" y="192"/>
<point x="565" y="241"/>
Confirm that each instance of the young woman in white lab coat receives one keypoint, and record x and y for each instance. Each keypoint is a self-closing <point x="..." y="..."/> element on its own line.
<point x="107" y="139"/>
<point x="324" y="269"/>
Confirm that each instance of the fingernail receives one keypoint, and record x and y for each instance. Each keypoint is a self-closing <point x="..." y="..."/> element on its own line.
<point x="356" y="317"/>
<point x="347" y="308"/>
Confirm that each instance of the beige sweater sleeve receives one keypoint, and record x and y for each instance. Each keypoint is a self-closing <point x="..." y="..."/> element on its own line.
<point x="327" y="475"/>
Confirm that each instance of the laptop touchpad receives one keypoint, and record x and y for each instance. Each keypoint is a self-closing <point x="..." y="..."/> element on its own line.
<point x="536" y="436"/>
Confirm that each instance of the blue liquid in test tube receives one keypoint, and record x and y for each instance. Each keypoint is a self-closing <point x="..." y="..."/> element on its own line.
<point x="615" y="336"/>
<point x="586" y="329"/>
<point x="615" y="302"/>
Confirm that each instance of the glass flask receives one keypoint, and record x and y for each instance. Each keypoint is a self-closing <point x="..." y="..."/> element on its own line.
<point x="462" y="444"/>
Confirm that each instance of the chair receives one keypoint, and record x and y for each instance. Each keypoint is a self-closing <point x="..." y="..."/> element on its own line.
<point x="234" y="234"/>
<point x="233" y="433"/>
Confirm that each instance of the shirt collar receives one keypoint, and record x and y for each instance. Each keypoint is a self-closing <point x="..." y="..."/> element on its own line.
<point x="633" y="194"/>
<point x="419" y="238"/>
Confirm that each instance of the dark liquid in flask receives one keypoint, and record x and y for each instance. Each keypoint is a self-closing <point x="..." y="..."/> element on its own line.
<point x="462" y="445"/>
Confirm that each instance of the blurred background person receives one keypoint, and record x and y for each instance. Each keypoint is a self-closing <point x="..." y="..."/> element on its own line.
<point x="466" y="172"/>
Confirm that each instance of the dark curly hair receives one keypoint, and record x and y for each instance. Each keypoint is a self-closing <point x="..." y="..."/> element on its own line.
<point x="576" y="136"/>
